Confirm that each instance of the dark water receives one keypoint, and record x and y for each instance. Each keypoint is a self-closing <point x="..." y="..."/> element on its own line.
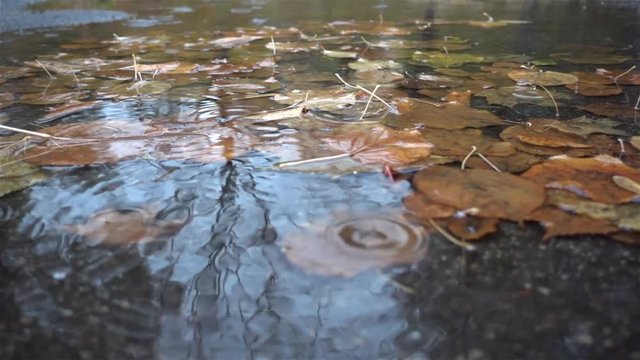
<point x="219" y="286"/>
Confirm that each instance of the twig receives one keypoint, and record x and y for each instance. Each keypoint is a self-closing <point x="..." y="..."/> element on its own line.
<point x="136" y="74"/>
<point x="369" y="102"/>
<point x="314" y="160"/>
<point x="464" y="162"/>
<point x="489" y="162"/>
<point x="392" y="108"/>
<point x="615" y="79"/>
<point x="273" y="43"/>
<point x="429" y="103"/>
<point x="489" y="17"/>
<point x="45" y="69"/>
<point x="552" y="99"/>
<point x="445" y="50"/>
<point x="637" y="107"/>
<point x="621" y="146"/>
<point x="27" y="132"/>
<point x="450" y="237"/>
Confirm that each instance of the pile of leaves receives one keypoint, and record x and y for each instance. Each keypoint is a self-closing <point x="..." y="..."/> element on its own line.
<point x="441" y="108"/>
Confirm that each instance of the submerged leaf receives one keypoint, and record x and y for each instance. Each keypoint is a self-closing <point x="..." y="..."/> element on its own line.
<point x="443" y="116"/>
<point x="437" y="59"/>
<point x="381" y="145"/>
<point x="494" y="195"/>
<point x="125" y="226"/>
<point x="590" y="89"/>
<point x="17" y="175"/>
<point x="611" y="110"/>
<point x="544" y="78"/>
<point x="561" y="223"/>
<point x="513" y="95"/>
<point x="582" y="126"/>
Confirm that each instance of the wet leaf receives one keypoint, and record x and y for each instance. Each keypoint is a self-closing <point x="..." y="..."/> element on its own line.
<point x="18" y="175"/>
<point x="276" y="115"/>
<point x="431" y="81"/>
<point x="485" y="24"/>
<point x="142" y="87"/>
<point x="458" y="143"/>
<point x="544" y="78"/>
<point x="379" y="77"/>
<point x="582" y="126"/>
<point x="590" y="89"/>
<point x="438" y="59"/>
<point x="339" y="54"/>
<point x="445" y="116"/>
<point x="593" y="58"/>
<point x="515" y="164"/>
<point x="66" y="110"/>
<point x="372" y="27"/>
<point x="351" y="245"/>
<point x="292" y="47"/>
<point x="422" y="207"/>
<point x="233" y="41"/>
<point x="561" y="223"/>
<point x="591" y="178"/>
<point x="493" y="194"/>
<point x="52" y="98"/>
<point x="514" y="95"/>
<point x="322" y="99"/>
<point x="244" y="86"/>
<point x="626" y="111"/>
<point x="625" y="216"/>
<point x="363" y="65"/>
<point x="626" y="183"/>
<point x="6" y="99"/>
<point x="470" y="228"/>
<point x="635" y="141"/>
<point x="542" y="140"/>
<point x="624" y="77"/>
<point x="125" y="226"/>
<point x="381" y="145"/>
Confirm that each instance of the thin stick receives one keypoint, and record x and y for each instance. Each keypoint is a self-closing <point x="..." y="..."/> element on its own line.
<point x="489" y="162"/>
<point x="445" y="50"/>
<point x="314" y="160"/>
<point x="451" y="238"/>
<point x="369" y="102"/>
<point x="615" y="79"/>
<point x="490" y="18"/>
<point x="45" y="69"/>
<point x="27" y="132"/>
<point x="637" y="107"/>
<point x="273" y="43"/>
<point x="621" y="146"/>
<point x="392" y="108"/>
<point x="464" y="162"/>
<point x="429" y="103"/>
<point x="552" y="99"/>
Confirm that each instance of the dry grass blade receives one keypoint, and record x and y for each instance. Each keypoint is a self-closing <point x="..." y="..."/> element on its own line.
<point x="33" y="133"/>
<point x="552" y="99"/>
<point x="466" y="158"/>
<point x="391" y="107"/>
<point x="451" y="238"/>
<point x="45" y="69"/>
<point x="368" y="102"/>
<point x="314" y="160"/>
<point x="615" y="79"/>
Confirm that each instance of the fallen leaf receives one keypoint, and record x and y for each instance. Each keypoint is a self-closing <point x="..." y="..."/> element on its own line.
<point x="125" y="226"/>
<point x="593" y="58"/>
<point x="590" y="89"/>
<point x="458" y="143"/>
<point x="18" y="175"/>
<point x="470" y="228"/>
<point x="514" y="164"/>
<point x="545" y="141"/>
<point x="588" y="177"/>
<point x="52" y="98"/>
<point x="624" y="77"/>
<point x="338" y="54"/>
<point x="582" y="126"/>
<point x="625" y="216"/>
<point x="381" y="145"/>
<point x="431" y="81"/>
<point x="66" y="110"/>
<point x="372" y="27"/>
<point x="233" y="41"/>
<point x="355" y="244"/>
<point x="363" y="65"/>
<point x="544" y="78"/>
<point x="626" y="111"/>
<point x="379" y="77"/>
<point x="635" y="141"/>
<point x="275" y="115"/>
<point x="513" y="95"/>
<point x="561" y="223"/>
<point x="626" y="183"/>
<point x="494" y="195"/>
<point x="292" y="47"/>
<point x="444" y="116"/>
<point x="437" y="59"/>
<point x="420" y="206"/>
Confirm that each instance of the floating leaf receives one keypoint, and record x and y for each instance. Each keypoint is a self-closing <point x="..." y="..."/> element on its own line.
<point x="233" y="41"/>
<point x="244" y="86"/>
<point x="292" y="47"/>
<point x="337" y="54"/>
<point x="438" y="59"/>
<point x="593" y="58"/>
<point x="544" y="78"/>
<point x="458" y="143"/>
<point x="624" y="77"/>
<point x="542" y="140"/>
<point x="52" y="98"/>
<point x="362" y="65"/>
<point x="125" y="226"/>
<point x="431" y="81"/>
<point x="471" y="228"/>
<point x="381" y="145"/>
<point x="494" y="195"/>
<point x="17" y="175"/>
<point x="66" y="110"/>
<point x="635" y="141"/>
<point x="611" y="110"/>
<point x="560" y="223"/>
<point x="625" y="216"/>
<point x="422" y="207"/>
<point x="276" y="115"/>
<point x="443" y="116"/>
<point x="589" y="177"/>
<point x="590" y="89"/>
<point x="372" y="27"/>
<point x="626" y="183"/>
<point x="514" y="164"/>
<point x="352" y="245"/>
<point x="321" y="99"/>
<point x="490" y="23"/>
<point x="582" y="126"/>
<point x="514" y="95"/>
<point x="379" y="77"/>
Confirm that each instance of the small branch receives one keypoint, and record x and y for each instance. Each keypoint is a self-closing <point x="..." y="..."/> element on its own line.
<point x="489" y="17"/>
<point x="637" y="107"/>
<point x="489" y="162"/>
<point x="369" y="102"/>
<point x="311" y="161"/>
<point x="615" y="79"/>
<point x="429" y="103"/>
<point x="273" y="43"/>
<point x="391" y="108"/>
<point x="621" y="146"/>
<point x="451" y="238"/>
<point x="552" y="99"/>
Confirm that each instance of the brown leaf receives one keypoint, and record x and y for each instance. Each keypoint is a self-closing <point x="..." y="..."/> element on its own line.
<point x="582" y="126"/>
<point x="590" y="89"/>
<point x="126" y="226"/>
<point x="471" y="228"/>
<point x="544" y="78"/>
<point x="626" y="111"/>
<point x="354" y="244"/>
<point x="494" y="195"/>
<point x="542" y="140"/>
<point x="514" y="164"/>
<point x="420" y="206"/>
<point x="589" y="177"/>
<point x="459" y="143"/>
<point x="381" y="145"/>
<point x="233" y="41"/>
<point x="561" y="223"/>
<point x="445" y="116"/>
